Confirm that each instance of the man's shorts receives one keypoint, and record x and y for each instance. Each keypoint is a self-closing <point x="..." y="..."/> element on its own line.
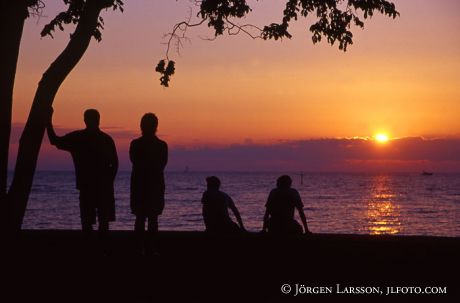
<point x="97" y="203"/>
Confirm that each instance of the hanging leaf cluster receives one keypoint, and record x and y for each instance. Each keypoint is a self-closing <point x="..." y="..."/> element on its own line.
<point x="166" y="71"/>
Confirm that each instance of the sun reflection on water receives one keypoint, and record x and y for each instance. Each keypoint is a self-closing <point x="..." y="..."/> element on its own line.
<point x="382" y="212"/>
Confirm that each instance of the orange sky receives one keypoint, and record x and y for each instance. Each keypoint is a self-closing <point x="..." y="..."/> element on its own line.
<point x="400" y="77"/>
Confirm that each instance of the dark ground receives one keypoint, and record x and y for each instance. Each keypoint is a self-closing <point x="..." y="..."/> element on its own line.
<point x="60" y="266"/>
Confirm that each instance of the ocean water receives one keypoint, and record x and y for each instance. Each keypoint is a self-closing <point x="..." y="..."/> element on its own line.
<point x="400" y="204"/>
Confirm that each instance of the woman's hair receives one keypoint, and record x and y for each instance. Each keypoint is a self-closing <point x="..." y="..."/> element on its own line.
<point x="149" y="123"/>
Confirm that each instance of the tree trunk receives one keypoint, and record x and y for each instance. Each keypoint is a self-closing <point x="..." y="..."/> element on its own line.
<point x="11" y="26"/>
<point x="32" y="136"/>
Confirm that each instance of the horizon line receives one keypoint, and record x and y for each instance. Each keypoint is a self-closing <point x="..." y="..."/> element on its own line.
<point x="297" y="172"/>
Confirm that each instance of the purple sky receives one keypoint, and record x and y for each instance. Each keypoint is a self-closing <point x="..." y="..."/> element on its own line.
<point x="411" y="154"/>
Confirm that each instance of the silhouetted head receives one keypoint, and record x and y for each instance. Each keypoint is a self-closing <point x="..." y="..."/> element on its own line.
<point x="213" y="183"/>
<point x="92" y="118"/>
<point x="149" y="124"/>
<point x="284" y="182"/>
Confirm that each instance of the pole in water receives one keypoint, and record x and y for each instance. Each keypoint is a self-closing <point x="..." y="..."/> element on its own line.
<point x="301" y="178"/>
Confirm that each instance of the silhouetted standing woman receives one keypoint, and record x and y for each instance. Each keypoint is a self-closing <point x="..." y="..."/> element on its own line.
<point x="149" y="156"/>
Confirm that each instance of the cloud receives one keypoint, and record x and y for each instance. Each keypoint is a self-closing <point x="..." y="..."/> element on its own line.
<point x="345" y="154"/>
<point x="405" y="154"/>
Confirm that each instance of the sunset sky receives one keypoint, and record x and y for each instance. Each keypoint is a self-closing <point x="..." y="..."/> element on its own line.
<point x="235" y="97"/>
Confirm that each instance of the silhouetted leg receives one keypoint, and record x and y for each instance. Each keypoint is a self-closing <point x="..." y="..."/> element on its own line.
<point x="87" y="234"/>
<point x="139" y="230"/>
<point x="103" y="234"/>
<point x="103" y="226"/>
<point x="87" y="216"/>
<point x="152" y="239"/>
<point x="153" y="224"/>
<point x="87" y="229"/>
<point x="139" y="224"/>
<point x="86" y="226"/>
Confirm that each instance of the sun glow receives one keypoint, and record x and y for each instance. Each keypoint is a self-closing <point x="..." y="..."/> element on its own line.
<point x="381" y="138"/>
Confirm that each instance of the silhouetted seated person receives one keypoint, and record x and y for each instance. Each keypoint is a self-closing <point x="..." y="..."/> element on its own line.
<point x="215" y="209"/>
<point x="96" y="163"/>
<point x="149" y="156"/>
<point x="281" y="205"/>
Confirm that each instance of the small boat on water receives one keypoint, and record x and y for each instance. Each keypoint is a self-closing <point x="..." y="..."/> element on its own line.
<point x="425" y="173"/>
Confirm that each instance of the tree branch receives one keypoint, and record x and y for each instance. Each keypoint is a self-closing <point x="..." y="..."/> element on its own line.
<point x="334" y="20"/>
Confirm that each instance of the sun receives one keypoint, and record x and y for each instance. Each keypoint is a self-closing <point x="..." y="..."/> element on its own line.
<point x="381" y="138"/>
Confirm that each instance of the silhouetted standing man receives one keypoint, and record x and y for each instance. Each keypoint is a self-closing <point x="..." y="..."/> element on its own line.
<point x="96" y="163"/>
<point x="149" y="156"/>
<point x="281" y="205"/>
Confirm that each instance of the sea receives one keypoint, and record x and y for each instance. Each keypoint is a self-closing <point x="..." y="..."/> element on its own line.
<point x="339" y="203"/>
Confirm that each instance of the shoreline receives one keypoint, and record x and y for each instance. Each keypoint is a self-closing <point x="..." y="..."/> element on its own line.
<point x="118" y="232"/>
<point x="165" y="232"/>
